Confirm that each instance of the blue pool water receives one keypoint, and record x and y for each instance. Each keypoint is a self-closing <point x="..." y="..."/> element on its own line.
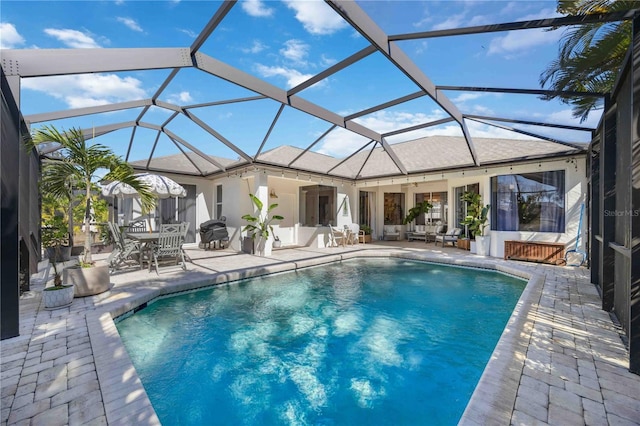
<point x="380" y="341"/>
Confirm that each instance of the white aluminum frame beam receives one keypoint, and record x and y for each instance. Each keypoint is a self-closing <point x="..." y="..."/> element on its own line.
<point x="49" y="62"/>
<point x="357" y="18"/>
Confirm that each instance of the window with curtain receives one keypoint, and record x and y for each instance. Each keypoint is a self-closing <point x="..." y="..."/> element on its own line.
<point x="393" y="208"/>
<point x="318" y="205"/>
<point x="528" y="202"/>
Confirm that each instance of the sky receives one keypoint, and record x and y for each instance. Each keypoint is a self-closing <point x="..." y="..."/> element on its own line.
<point x="285" y="43"/>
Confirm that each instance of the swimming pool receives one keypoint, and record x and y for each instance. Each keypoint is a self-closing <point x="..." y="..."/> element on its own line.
<point x="381" y="341"/>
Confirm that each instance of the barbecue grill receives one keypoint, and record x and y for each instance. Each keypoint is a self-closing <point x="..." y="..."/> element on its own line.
<point x="212" y="231"/>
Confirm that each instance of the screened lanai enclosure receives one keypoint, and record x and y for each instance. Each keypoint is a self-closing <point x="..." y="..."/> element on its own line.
<point x="293" y="132"/>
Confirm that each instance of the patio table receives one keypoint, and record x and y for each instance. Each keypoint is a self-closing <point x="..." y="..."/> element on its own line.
<point x="146" y="240"/>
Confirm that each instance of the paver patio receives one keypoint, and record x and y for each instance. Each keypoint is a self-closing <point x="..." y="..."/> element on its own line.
<point x="561" y="359"/>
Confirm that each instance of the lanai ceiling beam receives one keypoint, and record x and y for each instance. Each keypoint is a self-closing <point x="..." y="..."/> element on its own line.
<point x="266" y="136"/>
<point x="344" y="160"/>
<point x="187" y="156"/>
<point x="133" y="135"/>
<point x="595" y="18"/>
<point x="524" y="132"/>
<point x="521" y="91"/>
<point x="333" y="69"/>
<point x="153" y="148"/>
<point x="418" y="127"/>
<point x="217" y="135"/>
<point x="359" y="174"/>
<point x="532" y="123"/>
<point x="225" y="102"/>
<point x="358" y="19"/>
<point x="226" y="72"/>
<point x="384" y="105"/>
<point x="312" y="145"/>
<point x="78" y="112"/>
<point x="204" y="156"/>
<point x="50" y="62"/>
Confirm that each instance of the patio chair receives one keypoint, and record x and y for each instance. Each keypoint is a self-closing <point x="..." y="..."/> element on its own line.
<point x="125" y="250"/>
<point x="338" y="237"/>
<point x="355" y="234"/>
<point x="451" y="236"/>
<point x="390" y="232"/>
<point x="168" y="247"/>
<point x="137" y="226"/>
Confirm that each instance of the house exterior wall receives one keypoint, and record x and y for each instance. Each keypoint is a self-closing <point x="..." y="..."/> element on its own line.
<point x="575" y="195"/>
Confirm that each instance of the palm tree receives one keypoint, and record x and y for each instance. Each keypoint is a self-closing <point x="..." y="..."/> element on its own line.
<point x="80" y="166"/>
<point x="590" y="55"/>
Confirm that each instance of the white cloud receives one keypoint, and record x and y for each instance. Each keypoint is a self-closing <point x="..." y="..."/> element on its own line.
<point x="72" y="38"/>
<point x="454" y="21"/>
<point x="85" y="90"/>
<point x="517" y="43"/>
<point x="466" y="97"/>
<point x="131" y="23"/>
<point x="9" y="36"/>
<point x="317" y="17"/>
<point x="188" y="32"/>
<point x="256" y="47"/>
<point x="181" y="98"/>
<point x="293" y="77"/>
<point x="342" y="142"/>
<point x="295" y="51"/>
<point x="326" y="61"/>
<point x="256" y="8"/>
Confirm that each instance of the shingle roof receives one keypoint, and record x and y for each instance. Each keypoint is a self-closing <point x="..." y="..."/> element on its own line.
<point x="421" y="155"/>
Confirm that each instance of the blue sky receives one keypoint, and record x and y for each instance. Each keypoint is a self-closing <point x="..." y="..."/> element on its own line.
<point x="284" y="43"/>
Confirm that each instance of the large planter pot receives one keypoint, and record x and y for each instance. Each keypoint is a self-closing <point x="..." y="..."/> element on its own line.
<point x="247" y="245"/>
<point x="483" y="245"/>
<point x="367" y="238"/>
<point x="473" y="246"/>
<point x="262" y="246"/>
<point x="55" y="298"/>
<point x="88" y="281"/>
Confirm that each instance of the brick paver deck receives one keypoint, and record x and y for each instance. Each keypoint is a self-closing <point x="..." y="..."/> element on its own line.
<point x="560" y="361"/>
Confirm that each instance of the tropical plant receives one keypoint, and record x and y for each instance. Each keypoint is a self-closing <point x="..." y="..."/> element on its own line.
<point x="366" y="228"/>
<point x="589" y="56"/>
<point x="477" y="214"/>
<point x="260" y="225"/>
<point x="55" y="234"/>
<point x="414" y="212"/>
<point x="79" y="166"/>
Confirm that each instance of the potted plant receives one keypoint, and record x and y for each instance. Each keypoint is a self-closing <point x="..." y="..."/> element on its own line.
<point x="276" y="242"/>
<point x="367" y="232"/>
<point x="476" y="221"/>
<point x="77" y="167"/>
<point x="259" y="227"/>
<point x="414" y="212"/>
<point x="54" y="237"/>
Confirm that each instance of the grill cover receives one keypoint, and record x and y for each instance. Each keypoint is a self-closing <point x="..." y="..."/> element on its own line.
<point x="213" y="230"/>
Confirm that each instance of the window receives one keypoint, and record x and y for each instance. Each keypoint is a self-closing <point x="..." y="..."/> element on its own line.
<point x="318" y="205"/>
<point x="461" y="206"/>
<point x="528" y="202"/>
<point x="393" y="208"/>
<point x="218" y="201"/>
<point x="439" y="210"/>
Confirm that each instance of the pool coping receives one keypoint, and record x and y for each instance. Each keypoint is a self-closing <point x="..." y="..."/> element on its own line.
<point x="126" y="401"/>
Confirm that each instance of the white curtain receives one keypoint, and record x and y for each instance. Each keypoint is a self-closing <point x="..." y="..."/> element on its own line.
<point x="372" y="214"/>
